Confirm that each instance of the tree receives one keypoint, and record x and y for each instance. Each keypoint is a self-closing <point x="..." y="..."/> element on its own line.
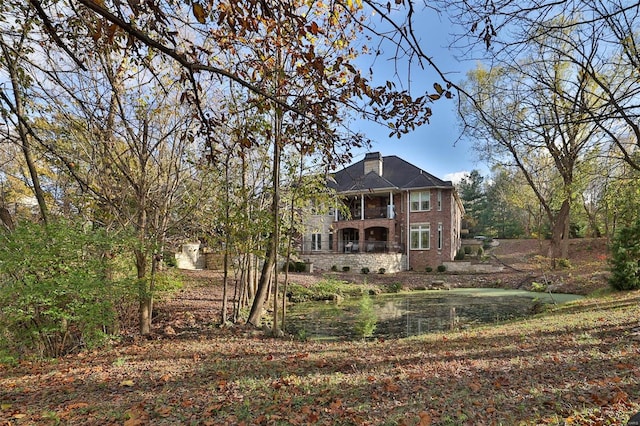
<point x="472" y="193"/>
<point x="119" y="137"/>
<point x="307" y="45"/>
<point x="14" y="48"/>
<point x="600" y="39"/>
<point x="625" y="258"/>
<point x="507" y="214"/>
<point x="534" y="114"/>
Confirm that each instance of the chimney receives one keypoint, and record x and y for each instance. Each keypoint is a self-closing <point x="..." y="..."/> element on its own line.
<point x="373" y="162"/>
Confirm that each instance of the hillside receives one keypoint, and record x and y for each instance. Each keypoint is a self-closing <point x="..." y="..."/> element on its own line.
<point x="576" y="364"/>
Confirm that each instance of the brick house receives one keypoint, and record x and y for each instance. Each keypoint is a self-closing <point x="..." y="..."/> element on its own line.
<point x="394" y="216"/>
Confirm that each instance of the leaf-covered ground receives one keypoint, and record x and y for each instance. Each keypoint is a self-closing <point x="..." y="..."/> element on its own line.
<point x="576" y="364"/>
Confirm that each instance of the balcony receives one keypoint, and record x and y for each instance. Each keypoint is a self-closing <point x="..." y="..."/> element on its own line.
<point x="355" y="247"/>
<point x="385" y="212"/>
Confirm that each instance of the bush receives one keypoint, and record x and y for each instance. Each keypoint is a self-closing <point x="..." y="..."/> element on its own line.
<point x="346" y="268"/>
<point x="326" y="289"/>
<point x="625" y="258"/>
<point x="467" y="249"/>
<point x="58" y="291"/>
<point x="428" y="269"/>
<point x="394" y="288"/>
<point x="538" y="287"/>
<point x="381" y="271"/>
<point x="295" y="267"/>
<point x="334" y="268"/>
<point x="364" y="270"/>
<point x="459" y="255"/>
<point x="366" y="320"/>
<point x="442" y="268"/>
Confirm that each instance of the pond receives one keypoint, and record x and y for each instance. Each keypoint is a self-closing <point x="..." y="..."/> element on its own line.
<point x="409" y="314"/>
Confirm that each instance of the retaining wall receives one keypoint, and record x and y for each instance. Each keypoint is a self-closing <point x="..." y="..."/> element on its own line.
<point x="391" y="262"/>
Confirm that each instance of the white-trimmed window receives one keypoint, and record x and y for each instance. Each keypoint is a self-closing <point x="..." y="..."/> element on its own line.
<point x="439" y="199"/>
<point x="440" y="236"/>
<point x="420" y="236"/>
<point x="316" y="242"/>
<point x="420" y="201"/>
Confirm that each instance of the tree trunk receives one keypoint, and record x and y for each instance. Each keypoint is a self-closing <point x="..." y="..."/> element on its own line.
<point x="263" y="285"/>
<point x="145" y="297"/>
<point x="559" y="247"/>
<point x="23" y="132"/>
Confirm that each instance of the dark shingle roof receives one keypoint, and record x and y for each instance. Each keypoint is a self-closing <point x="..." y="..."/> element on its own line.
<point x="396" y="173"/>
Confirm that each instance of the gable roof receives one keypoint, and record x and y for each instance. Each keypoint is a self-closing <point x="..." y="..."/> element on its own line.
<point x="396" y="174"/>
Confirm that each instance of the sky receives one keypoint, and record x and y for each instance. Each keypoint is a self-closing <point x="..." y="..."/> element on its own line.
<point x="435" y="147"/>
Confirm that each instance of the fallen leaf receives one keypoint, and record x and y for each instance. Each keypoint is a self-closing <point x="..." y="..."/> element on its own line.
<point x="425" y="419"/>
<point x="164" y="411"/>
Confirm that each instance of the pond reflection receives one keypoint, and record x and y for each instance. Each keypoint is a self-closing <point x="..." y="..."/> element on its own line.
<point x="408" y="314"/>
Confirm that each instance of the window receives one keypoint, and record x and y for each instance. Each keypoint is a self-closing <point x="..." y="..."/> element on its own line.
<point x="316" y="242"/>
<point x="439" y="199"/>
<point x="420" y="201"/>
<point x="420" y="236"/>
<point x="440" y="236"/>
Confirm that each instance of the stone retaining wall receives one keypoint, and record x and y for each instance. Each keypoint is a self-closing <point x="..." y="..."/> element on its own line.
<point x="391" y="262"/>
<point x="469" y="267"/>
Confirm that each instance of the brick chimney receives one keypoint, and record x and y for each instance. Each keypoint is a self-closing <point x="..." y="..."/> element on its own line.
<point x="373" y="162"/>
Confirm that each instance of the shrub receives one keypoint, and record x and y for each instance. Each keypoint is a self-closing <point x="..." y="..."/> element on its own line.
<point x="459" y="255"/>
<point x="381" y="271"/>
<point x="295" y="267"/>
<point x="480" y="252"/>
<point x="334" y="268"/>
<point x="366" y="320"/>
<point x="563" y="262"/>
<point x="364" y="270"/>
<point x="538" y="287"/>
<point x="625" y="258"/>
<point x="346" y="268"/>
<point x="467" y="249"/>
<point x="169" y="259"/>
<point x="58" y="291"/>
<point x="442" y="268"/>
<point x="428" y="269"/>
<point x="326" y="289"/>
<point x="394" y="288"/>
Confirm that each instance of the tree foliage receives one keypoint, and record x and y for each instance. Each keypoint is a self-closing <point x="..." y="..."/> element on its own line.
<point x="59" y="288"/>
<point x="625" y="258"/>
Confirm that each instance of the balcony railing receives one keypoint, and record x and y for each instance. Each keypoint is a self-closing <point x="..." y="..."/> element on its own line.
<point x="355" y="246"/>
<point x="387" y="212"/>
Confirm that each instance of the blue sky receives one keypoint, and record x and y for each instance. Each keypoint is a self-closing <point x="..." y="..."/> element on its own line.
<point x="436" y="147"/>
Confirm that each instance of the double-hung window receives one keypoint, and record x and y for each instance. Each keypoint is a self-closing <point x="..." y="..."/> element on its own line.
<point x="420" y="201"/>
<point x="440" y="236"/>
<point x="420" y="236"/>
<point x="316" y="242"/>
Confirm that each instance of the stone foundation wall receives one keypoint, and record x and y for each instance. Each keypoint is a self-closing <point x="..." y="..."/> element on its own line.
<point x="391" y="262"/>
<point x="472" y="267"/>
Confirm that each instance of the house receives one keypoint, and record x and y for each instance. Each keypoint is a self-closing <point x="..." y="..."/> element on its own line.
<point x="394" y="216"/>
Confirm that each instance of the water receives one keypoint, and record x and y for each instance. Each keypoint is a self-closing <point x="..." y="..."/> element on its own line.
<point x="409" y="314"/>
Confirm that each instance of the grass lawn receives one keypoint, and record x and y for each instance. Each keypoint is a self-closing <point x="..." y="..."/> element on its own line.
<point x="577" y="363"/>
